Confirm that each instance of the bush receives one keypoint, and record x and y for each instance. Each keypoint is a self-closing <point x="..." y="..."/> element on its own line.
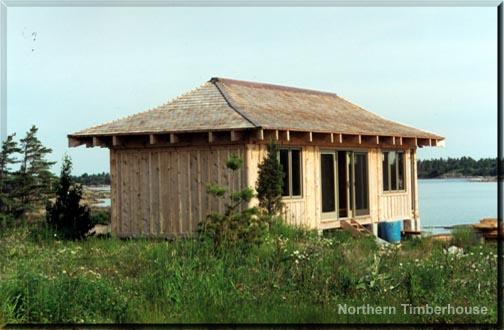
<point x="234" y="227"/>
<point x="6" y="220"/>
<point x="70" y="219"/>
<point x="100" y="217"/>
<point x="464" y="236"/>
<point x="270" y="181"/>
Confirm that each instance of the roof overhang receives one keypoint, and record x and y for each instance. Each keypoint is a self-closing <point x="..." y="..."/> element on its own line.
<point x="259" y="135"/>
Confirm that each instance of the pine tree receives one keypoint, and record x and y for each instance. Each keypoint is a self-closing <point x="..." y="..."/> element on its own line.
<point x="9" y="148"/>
<point x="270" y="182"/>
<point x="234" y="227"/>
<point x="70" y="219"/>
<point x="33" y="180"/>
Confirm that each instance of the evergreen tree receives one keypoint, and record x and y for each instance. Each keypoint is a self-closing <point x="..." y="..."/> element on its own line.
<point x="270" y="181"/>
<point x="70" y="219"/>
<point x="238" y="225"/>
<point x="9" y="148"/>
<point x="34" y="179"/>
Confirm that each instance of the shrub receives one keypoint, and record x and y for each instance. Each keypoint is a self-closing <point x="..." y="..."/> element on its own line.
<point x="70" y="219"/>
<point x="233" y="227"/>
<point x="100" y="217"/>
<point x="464" y="236"/>
<point x="6" y="220"/>
<point x="270" y="181"/>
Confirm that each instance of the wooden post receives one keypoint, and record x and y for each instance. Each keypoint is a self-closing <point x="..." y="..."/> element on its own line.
<point x="211" y="137"/>
<point x="152" y="139"/>
<point x="174" y="138"/>
<point x="287" y="135"/>
<point x="235" y="136"/>
<point x="260" y="134"/>
<point x="115" y="141"/>
<point x="332" y="138"/>
<point x="310" y="134"/>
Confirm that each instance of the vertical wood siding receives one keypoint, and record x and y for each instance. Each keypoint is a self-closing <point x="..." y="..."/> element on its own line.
<point x="306" y="211"/>
<point x="162" y="192"/>
<point x="395" y="205"/>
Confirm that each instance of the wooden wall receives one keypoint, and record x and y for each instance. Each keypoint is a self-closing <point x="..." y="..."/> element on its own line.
<point x="162" y="191"/>
<point x="395" y="205"/>
<point x="306" y="210"/>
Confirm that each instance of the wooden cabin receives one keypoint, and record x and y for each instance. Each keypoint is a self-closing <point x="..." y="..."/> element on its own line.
<point x="342" y="162"/>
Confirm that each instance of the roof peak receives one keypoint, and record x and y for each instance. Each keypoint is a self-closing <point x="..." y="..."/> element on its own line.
<point x="254" y="84"/>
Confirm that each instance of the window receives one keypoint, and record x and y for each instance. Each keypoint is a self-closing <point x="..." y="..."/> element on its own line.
<point x="290" y="159"/>
<point x="393" y="170"/>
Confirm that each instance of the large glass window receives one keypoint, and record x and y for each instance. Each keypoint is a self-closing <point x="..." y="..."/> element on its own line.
<point x="393" y="170"/>
<point x="291" y="165"/>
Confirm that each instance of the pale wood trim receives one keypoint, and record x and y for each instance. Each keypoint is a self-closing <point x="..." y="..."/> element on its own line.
<point x="174" y="138"/>
<point x="260" y="134"/>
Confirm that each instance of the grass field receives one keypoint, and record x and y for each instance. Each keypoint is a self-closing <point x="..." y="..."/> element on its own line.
<point x="294" y="276"/>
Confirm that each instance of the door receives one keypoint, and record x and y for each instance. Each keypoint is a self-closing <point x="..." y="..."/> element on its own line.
<point x="344" y="184"/>
<point x="328" y="185"/>
<point x="360" y="183"/>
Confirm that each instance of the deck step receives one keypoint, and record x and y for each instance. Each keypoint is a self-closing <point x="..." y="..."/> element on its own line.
<point x="355" y="228"/>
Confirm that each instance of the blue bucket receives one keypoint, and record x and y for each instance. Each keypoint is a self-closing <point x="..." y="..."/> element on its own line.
<point x="390" y="231"/>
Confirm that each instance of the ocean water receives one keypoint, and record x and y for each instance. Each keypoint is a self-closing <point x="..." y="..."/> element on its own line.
<point x="445" y="202"/>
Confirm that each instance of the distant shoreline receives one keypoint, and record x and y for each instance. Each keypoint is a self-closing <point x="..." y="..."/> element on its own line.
<point x="467" y="178"/>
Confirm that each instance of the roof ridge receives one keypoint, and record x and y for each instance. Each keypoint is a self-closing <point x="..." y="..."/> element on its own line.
<point x="226" y="97"/>
<point x="271" y="86"/>
<point x="145" y="111"/>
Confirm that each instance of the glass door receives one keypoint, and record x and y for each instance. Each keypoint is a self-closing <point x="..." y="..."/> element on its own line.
<point x="344" y="184"/>
<point x="328" y="185"/>
<point x="360" y="183"/>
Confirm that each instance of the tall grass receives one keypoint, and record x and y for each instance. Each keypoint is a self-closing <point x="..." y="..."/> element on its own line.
<point x="294" y="276"/>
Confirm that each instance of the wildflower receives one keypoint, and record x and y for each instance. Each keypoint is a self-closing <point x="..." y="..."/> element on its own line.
<point x="64" y="271"/>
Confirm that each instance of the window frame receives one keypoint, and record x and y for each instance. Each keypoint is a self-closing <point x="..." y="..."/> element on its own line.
<point x="389" y="172"/>
<point x="289" y="174"/>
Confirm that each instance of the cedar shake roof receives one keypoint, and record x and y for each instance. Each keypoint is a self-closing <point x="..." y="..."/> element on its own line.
<point x="224" y="104"/>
